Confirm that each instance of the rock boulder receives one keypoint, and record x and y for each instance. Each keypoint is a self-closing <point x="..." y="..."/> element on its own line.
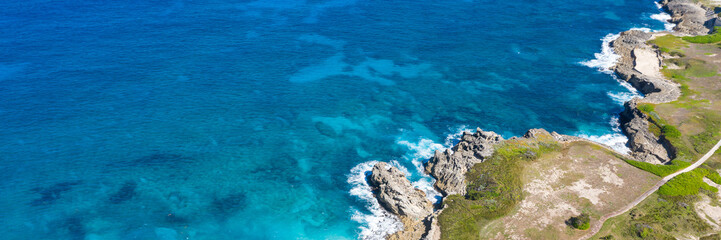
<point x="449" y="167"/>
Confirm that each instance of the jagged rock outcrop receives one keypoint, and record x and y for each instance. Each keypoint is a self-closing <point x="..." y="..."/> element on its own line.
<point x="628" y="46"/>
<point x="396" y="194"/>
<point x="536" y="133"/>
<point x="434" y="230"/>
<point x="644" y="145"/>
<point x="450" y="166"/>
<point x="690" y="18"/>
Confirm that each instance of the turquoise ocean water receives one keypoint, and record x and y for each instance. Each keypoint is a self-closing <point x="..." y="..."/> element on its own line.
<point x="215" y="119"/>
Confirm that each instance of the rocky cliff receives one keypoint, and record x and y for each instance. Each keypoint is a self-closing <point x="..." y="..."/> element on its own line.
<point x="449" y="167"/>
<point x="396" y="194"/>
<point x="655" y="88"/>
<point x="644" y="145"/>
<point x="639" y="65"/>
<point x="690" y="18"/>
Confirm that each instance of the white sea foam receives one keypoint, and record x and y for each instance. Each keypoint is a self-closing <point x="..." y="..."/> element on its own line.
<point x="621" y="97"/>
<point x="456" y="135"/>
<point x="664" y="17"/>
<point x="378" y="223"/>
<point x="417" y="154"/>
<point x="616" y="140"/>
<point x="606" y="58"/>
<point x="423" y="149"/>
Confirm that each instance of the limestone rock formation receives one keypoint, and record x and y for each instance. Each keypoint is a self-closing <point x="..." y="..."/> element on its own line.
<point x="396" y="194"/>
<point x="690" y="18"/>
<point x="450" y="166"/>
<point x="628" y="46"/>
<point x="644" y="145"/>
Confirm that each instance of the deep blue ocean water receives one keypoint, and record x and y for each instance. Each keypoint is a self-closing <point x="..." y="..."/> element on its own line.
<point x="214" y="119"/>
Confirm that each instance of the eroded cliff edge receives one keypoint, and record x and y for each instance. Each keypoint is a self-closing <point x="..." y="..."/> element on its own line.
<point x="638" y="64"/>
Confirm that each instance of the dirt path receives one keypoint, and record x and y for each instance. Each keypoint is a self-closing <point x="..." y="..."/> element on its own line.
<point x="597" y="227"/>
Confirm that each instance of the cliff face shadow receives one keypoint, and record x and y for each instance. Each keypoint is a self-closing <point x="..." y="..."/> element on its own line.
<point x="49" y="195"/>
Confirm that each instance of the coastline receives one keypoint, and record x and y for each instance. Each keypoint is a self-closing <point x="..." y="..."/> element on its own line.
<point x="635" y="63"/>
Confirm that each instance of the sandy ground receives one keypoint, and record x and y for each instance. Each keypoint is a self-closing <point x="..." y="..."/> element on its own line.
<point x="647" y="62"/>
<point x="578" y="179"/>
<point x="707" y="210"/>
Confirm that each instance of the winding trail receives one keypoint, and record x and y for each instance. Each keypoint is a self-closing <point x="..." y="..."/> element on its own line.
<point x="597" y="227"/>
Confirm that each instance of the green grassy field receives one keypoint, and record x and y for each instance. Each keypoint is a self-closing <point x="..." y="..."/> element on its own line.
<point x="494" y="188"/>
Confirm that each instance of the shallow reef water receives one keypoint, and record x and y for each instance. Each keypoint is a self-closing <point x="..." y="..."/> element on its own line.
<point x="216" y="119"/>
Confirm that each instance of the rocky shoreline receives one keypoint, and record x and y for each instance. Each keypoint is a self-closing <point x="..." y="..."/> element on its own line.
<point x="638" y="64"/>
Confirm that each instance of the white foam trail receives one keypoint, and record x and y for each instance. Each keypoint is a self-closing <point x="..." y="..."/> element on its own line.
<point x="664" y="17"/>
<point x="606" y="58"/>
<point x="621" y="97"/>
<point x="617" y="141"/>
<point x="417" y="154"/>
<point x="457" y="135"/>
<point x="425" y="148"/>
<point x="379" y="223"/>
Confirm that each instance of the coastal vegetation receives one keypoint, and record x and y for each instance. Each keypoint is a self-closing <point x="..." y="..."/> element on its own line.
<point x="657" y="217"/>
<point x="691" y="125"/>
<point x="659" y="169"/>
<point x="494" y="187"/>
<point x="688" y="183"/>
<point x="670" y="44"/>
<point x="710" y="38"/>
<point x="580" y="222"/>
<point x="530" y="187"/>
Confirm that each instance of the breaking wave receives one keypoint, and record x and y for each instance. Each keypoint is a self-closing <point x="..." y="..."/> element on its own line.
<point x="604" y="60"/>
<point x="378" y="223"/>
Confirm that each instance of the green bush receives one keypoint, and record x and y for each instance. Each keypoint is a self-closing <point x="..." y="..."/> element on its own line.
<point x="646" y="108"/>
<point x="710" y="38"/>
<point x="660" y="170"/>
<point x="670" y="131"/>
<point x="644" y="231"/>
<point x="687" y="183"/>
<point x="703" y="141"/>
<point x="669" y="44"/>
<point x="581" y="222"/>
<point x="714" y="176"/>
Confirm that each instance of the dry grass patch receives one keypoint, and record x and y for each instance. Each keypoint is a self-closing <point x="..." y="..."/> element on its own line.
<point x="581" y="178"/>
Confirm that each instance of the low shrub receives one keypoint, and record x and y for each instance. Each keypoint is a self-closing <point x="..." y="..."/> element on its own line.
<point x="646" y="108"/>
<point x="714" y="176"/>
<point x="670" y="131"/>
<point x="669" y="44"/>
<point x="660" y="170"/>
<point x="581" y="222"/>
<point x="688" y="183"/>
<point x="710" y="38"/>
